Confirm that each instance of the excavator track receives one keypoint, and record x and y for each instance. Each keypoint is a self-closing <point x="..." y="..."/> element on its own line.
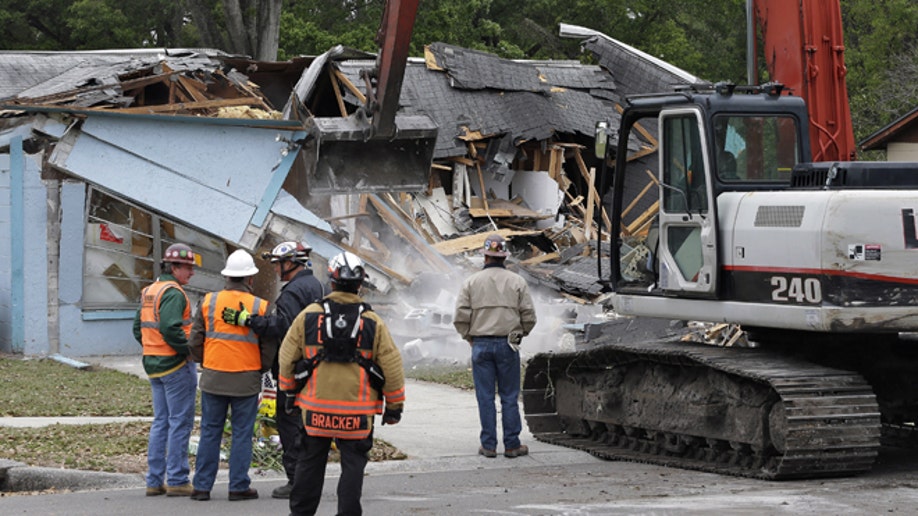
<point x="735" y="411"/>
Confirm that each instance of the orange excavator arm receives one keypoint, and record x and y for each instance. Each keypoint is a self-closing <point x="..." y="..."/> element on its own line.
<point x="804" y="49"/>
<point x="393" y="38"/>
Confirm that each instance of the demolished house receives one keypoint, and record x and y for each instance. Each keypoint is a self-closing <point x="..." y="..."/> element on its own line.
<point x="109" y="157"/>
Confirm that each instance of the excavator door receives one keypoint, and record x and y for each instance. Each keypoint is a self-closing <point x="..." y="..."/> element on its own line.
<point x="687" y="224"/>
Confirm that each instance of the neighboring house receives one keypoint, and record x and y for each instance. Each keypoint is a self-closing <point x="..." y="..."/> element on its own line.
<point x="899" y="138"/>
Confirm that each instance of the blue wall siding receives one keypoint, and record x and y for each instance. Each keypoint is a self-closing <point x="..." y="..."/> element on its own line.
<point x="5" y="254"/>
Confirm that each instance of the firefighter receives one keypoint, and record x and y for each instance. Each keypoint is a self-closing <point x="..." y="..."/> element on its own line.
<point x="340" y="363"/>
<point x="162" y="325"/>
<point x="233" y="360"/>
<point x="291" y="263"/>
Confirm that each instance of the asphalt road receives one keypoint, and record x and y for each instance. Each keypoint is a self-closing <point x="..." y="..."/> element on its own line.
<point x="445" y="476"/>
<point x="553" y="482"/>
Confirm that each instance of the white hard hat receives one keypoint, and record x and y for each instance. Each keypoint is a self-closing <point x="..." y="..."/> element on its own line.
<point x="296" y="252"/>
<point x="239" y="265"/>
<point x="346" y="267"/>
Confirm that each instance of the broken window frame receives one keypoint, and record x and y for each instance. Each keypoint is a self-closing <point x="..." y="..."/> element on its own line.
<point x="129" y="239"/>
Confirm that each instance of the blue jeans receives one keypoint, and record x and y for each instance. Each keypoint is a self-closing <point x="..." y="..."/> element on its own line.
<point x="243" y="410"/>
<point x="173" y="418"/>
<point x="495" y="366"/>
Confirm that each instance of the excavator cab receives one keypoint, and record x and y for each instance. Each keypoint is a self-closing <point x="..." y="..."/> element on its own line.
<point x="711" y="141"/>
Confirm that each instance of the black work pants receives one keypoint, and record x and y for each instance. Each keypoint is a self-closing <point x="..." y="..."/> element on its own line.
<point x="310" y="475"/>
<point x="289" y="428"/>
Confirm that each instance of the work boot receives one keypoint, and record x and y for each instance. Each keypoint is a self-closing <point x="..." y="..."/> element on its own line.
<point x="517" y="452"/>
<point x="486" y="452"/>
<point x="200" y="496"/>
<point x="182" y="490"/>
<point x="283" y="491"/>
<point x="156" y="491"/>
<point x="248" y="494"/>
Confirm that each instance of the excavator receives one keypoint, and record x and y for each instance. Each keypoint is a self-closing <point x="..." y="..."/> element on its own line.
<point x="757" y="217"/>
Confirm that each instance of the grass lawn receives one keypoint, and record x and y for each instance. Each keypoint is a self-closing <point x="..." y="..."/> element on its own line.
<point x="46" y="388"/>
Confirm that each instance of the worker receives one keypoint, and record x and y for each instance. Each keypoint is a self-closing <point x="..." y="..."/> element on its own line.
<point x="494" y="311"/>
<point x="162" y="326"/>
<point x="291" y="264"/>
<point x="231" y="358"/>
<point x="340" y="364"/>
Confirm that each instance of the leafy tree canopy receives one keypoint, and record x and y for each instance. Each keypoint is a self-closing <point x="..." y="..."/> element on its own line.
<point x="705" y="37"/>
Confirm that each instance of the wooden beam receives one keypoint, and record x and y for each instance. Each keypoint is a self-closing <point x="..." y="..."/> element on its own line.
<point x="350" y="86"/>
<point x="348" y="216"/>
<point x="643" y="218"/>
<point x="377" y="244"/>
<point x="463" y="160"/>
<point x="476" y="241"/>
<point x="591" y="198"/>
<point x="639" y="196"/>
<point x="408" y="233"/>
<point x="641" y="153"/>
<point x="194" y="89"/>
<point x="590" y="177"/>
<point x="484" y="194"/>
<point x="473" y="151"/>
<point x="552" y="163"/>
<point x="644" y="132"/>
<point x="182" y="106"/>
<point x="340" y="98"/>
<point x="547" y="257"/>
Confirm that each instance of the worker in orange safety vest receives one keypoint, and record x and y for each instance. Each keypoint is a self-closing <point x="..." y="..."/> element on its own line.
<point x="162" y="325"/>
<point x="233" y="359"/>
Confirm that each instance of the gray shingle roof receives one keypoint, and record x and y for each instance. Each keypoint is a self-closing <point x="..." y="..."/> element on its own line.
<point x="482" y="92"/>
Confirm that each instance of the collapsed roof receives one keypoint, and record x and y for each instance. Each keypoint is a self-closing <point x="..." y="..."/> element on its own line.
<point x="496" y="119"/>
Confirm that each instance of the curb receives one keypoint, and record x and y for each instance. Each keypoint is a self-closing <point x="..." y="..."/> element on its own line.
<point x="16" y="476"/>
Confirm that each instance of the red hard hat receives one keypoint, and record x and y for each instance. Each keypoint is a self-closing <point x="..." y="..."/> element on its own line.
<point x="179" y="253"/>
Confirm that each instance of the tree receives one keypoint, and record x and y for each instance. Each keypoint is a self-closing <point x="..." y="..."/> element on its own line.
<point x="249" y="27"/>
<point x="704" y="37"/>
<point x="882" y="64"/>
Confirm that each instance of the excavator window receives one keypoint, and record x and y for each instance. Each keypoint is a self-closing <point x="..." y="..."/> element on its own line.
<point x="755" y="148"/>
<point x="685" y="187"/>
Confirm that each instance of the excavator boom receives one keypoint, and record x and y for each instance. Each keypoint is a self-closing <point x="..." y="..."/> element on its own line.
<point x="804" y="49"/>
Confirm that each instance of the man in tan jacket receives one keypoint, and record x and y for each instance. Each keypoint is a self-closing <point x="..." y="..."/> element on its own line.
<point x="494" y="311"/>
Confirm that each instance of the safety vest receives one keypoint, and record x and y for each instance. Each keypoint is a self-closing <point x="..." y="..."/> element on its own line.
<point x="153" y="342"/>
<point x="330" y="407"/>
<point x="227" y="347"/>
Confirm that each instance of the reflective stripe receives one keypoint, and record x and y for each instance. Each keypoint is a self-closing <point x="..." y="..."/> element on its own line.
<point x="395" y="396"/>
<point x="227" y="347"/>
